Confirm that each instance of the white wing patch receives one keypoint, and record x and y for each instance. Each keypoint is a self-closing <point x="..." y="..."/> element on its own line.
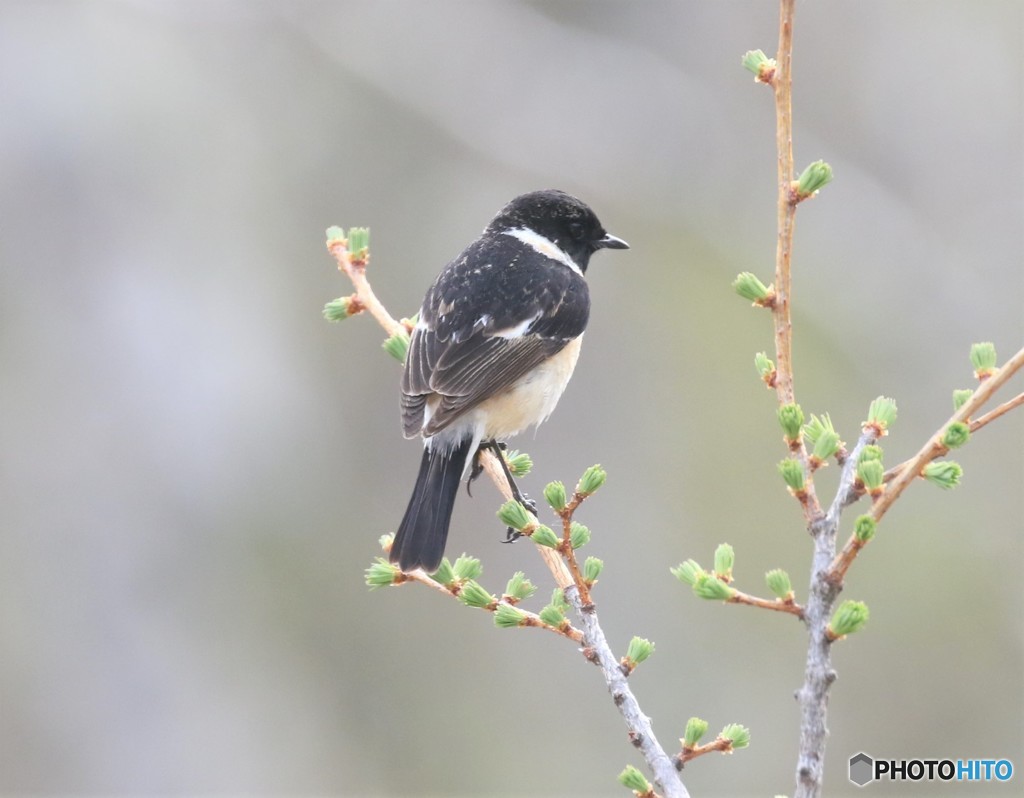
<point x="544" y="246"/>
<point x="519" y="330"/>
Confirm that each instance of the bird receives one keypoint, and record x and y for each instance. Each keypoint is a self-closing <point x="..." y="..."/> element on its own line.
<point x="493" y="347"/>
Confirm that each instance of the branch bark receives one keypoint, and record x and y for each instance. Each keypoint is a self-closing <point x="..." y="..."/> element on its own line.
<point x="818" y="673"/>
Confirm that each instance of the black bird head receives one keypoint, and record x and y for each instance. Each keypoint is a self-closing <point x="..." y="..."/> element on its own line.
<point x="562" y="219"/>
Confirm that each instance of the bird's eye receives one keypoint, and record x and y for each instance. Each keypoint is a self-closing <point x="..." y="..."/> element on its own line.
<point x="576" y="231"/>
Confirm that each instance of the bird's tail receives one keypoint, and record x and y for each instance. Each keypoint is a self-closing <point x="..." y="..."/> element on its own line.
<point x="419" y="542"/>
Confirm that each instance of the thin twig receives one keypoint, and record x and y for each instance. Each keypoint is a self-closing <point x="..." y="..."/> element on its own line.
<point x="906" y="472"/>
<point x="974" y="426"/>
<point x="356" y="271"/>
<point x="718" y="744"/>
<point x="530" y="618"/>
<point x="934" y="445"/>
<point x="568" y="552"/>
<point x="777" y="605"/>
<point x="782" y="84"/>
<point x="992" y="415"/>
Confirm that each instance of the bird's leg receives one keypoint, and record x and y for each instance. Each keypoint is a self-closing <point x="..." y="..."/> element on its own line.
<point x="475" y="471"/>
<point x="498" y="449"/>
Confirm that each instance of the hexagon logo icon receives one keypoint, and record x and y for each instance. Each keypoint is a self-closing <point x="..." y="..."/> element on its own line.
<point x="862" y="769"/>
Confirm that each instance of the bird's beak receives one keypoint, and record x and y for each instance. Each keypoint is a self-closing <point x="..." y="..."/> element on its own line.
<point x="610" y="242"/>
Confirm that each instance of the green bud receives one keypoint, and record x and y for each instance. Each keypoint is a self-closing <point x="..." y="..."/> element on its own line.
<point x="849" y="618"/>
<point x="793" y="473"/>
<point x="709" y="586"/>
<point x="445" y="574"/>
<point x="397" y="345"/>
<point x="816" y="427"/>
<point x="944" y="473"/>
<point x="633" y="779"/>
<point x="695" y="729"/>
<point x="687" y="572"/>
<point x="778" y="582"/>
<point x="381" y="573"/>
<point x="358" y="240"/>
<point x="871" y="473"/>
<point x="467" y="567"/>
<point x="983" y="358"/>
<point x="882" y="413"/>
<point x="639" y="649"/>
<point x="579" y="535"/>
<point x="507" y="617"/>
<point x="956" y="435"/>
<point x="592" y="568"/>
<point x="519" y="463"/>
<point x="473" y="595"/>
<point x="960" y="397"/>
<point x="519" y="587"/>
<point x="552" y="615"/>
<point x="592" y="479"/>
<point x="338" y="309"/>
<point x="554" y="493"/>
<point x="791" y="419"/>
<point x="545" y="536"/>
<point x="813" y="178"/>
<point x="827" y="445"/>
<point x="513" y="514"/>
<point x="748" y="286"/>
<point x="765" y="367"/>
<point x="870" y="452"/>
<point x="864" y="528"/>
<point x="761" y="65"/>
<point x="334" y="233"/>
<point x="558" y="599"/>
<point x="725" y="558"/>
<point x="385" y="541"/>
<point x="738" y="735"/>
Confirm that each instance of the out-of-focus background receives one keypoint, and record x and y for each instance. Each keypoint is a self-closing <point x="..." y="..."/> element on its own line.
<point x="196" y="467"/>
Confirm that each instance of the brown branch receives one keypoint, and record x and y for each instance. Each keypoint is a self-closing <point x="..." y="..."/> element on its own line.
<point x="992" y="415"/>
<point x="974" y="426"/>
<point x="720" y="744"/>
<point x="355" y="268"/>
<point x="905" y="473"/>
<point x="933" y="447"/>
<point x="782" y="84"/>
<point x="568" y="552"/>
<point x="530" y="618"/>
<point x="776" y="605"/>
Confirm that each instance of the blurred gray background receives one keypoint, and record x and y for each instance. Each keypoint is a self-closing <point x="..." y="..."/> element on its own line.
<point x="196" y="467"/>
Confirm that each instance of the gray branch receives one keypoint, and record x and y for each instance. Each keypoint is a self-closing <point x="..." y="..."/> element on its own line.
<point x="638" y="725"/>
<point x="819" y="675"/>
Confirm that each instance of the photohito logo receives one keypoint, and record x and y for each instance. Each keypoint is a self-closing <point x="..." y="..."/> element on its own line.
<point x="865" y="769"/>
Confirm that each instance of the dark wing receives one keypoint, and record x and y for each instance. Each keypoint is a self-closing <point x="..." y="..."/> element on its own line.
<point x="494" y="314"/>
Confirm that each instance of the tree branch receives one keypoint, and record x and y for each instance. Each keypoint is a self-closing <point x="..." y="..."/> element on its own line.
<point x="638" y="725"/>
<point x="905" y="473"/>
<point x="933" y="447"/>
<point x="818" y="672"/>
<point x="782" y="84"/>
